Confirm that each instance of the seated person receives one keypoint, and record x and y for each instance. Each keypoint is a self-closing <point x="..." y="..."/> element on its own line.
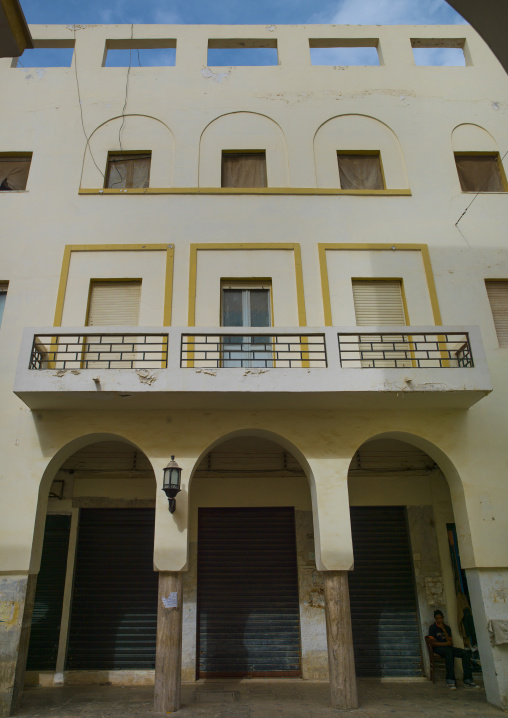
<point x="442" y="644"/>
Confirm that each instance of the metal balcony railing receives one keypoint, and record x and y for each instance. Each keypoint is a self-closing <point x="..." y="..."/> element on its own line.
<point x="405" y="349"/>
<point x="213" y="351"/>
<point x="372" y="349"/>
<point x="99" y="351"/>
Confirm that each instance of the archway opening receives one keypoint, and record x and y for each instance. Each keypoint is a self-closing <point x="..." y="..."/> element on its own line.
<point x="407" y="560"/>
<point x="95" y="604"/>
<point x="252" y="567"/>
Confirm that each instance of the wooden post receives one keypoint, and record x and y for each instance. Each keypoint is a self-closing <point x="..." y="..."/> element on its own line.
<point x="168" y="658"/>
<point x="339" y="635"/>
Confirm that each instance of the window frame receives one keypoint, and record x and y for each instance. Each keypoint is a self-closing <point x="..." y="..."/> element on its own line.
<point x="502" y="341"/>
<point x="240" y="153"/>
<point x="4" y="288"/>
<point x="500" y="168"/>
<point x="17" y="157"/>
<point x="246" y="284"/>
<point x="364" y="153"/>
<point x="129" y="156"/>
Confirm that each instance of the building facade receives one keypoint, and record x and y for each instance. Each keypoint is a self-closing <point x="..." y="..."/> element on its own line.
<point x="343" y="462"/>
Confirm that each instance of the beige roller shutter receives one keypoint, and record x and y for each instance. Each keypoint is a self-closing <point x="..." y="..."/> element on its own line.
<point x="378" y="302"/>
<point x="114" y="304"/>
<point x="498" y="298"/>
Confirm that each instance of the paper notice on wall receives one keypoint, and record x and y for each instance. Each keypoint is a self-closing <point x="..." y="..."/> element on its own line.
<point x="170" y="601"/>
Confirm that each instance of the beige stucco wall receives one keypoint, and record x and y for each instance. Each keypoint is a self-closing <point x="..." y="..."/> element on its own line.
<point x="415" y="111"/>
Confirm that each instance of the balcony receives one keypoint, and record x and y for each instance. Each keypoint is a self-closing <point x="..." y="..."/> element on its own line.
<point x="311" y="368"/>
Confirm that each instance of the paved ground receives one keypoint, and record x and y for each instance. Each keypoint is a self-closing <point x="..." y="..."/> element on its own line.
<point x="261" y="699"/>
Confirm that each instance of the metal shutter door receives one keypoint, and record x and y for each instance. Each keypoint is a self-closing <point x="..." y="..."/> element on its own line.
<point x="498" y="298"/>
<point x="114" y="606"/>
<point x="378" y="302"/>
<point x="47" y="614"/>
<point x="114" y="303"/>
<point x="386" y="634"/>
<point x="249" y="622"/>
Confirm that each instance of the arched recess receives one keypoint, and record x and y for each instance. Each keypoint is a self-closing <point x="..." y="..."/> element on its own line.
<point x="129" y="133"/>
<point x="472" y="138"/>
<point x="405" y="496"/>
<point x="477" y="159"/>
<point x="358" y="133"/>
<point x="243" y="131"/>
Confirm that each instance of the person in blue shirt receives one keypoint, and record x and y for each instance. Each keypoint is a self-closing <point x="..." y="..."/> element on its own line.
<point x="442" y="644"/>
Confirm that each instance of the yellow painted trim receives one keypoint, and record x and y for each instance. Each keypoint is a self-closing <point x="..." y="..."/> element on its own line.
<point x="294" y="247"/>
<point x="316" y="191"/>
<point x="70" y="248"/>
<point x="427" y="266"/>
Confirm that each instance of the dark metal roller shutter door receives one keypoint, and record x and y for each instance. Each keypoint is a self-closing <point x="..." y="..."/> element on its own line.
<point x="249" y="622"/>
<point x="47" y="614"/>
<point x="114" y="605"/>
<point x="383" y="602"/>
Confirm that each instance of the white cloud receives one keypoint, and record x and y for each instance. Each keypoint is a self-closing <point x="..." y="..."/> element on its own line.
<point x="166" y="17"/>
<point x="105" y="15"/>
<point x="388" y="12"/>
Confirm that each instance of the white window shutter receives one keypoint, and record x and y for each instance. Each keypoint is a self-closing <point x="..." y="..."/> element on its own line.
<point x="114" y="304"/>
<point x="378" y="302"/>
<point x="498" y="298"/>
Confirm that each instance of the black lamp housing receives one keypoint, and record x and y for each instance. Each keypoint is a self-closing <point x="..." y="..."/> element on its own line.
<point x="171" y="483"/>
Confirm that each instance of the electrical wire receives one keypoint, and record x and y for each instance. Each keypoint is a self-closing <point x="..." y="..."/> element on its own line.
<point x="479" y="191"/>
<point x="87" y="146"/>
<point x="126" y="90"/>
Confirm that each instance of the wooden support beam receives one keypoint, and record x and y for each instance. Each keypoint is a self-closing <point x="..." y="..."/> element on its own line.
<point x="168" y="659"/>
<point x="339" y="636"/>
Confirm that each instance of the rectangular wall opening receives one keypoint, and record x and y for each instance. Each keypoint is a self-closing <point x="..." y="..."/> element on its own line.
<point x="242" y="53"/>
<point x="342" y="53"/>
<point x="47" y="53"/>
<point x="439" y="52"/>
<point x="140" y="53"/>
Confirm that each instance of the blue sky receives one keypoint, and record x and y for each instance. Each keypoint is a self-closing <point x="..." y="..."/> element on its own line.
<point x="362" y="12"/>
<point x="242" y="12"/>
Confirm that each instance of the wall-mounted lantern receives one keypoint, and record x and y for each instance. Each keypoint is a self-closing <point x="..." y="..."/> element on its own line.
<point x="171" y="483"/>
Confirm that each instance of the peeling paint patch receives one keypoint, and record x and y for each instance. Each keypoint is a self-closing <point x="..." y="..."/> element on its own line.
<point x="218" y="77"/>
<point x="61" y="372"/>
<point x="316" y="598"/>
<point x="270" y="28"/>
<point x="9" y="611"/>
<point x="255" y="372"/>
<point x="145" y="377"/>
<point x="210" y="372"/>
<point x="434" y="591"/>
